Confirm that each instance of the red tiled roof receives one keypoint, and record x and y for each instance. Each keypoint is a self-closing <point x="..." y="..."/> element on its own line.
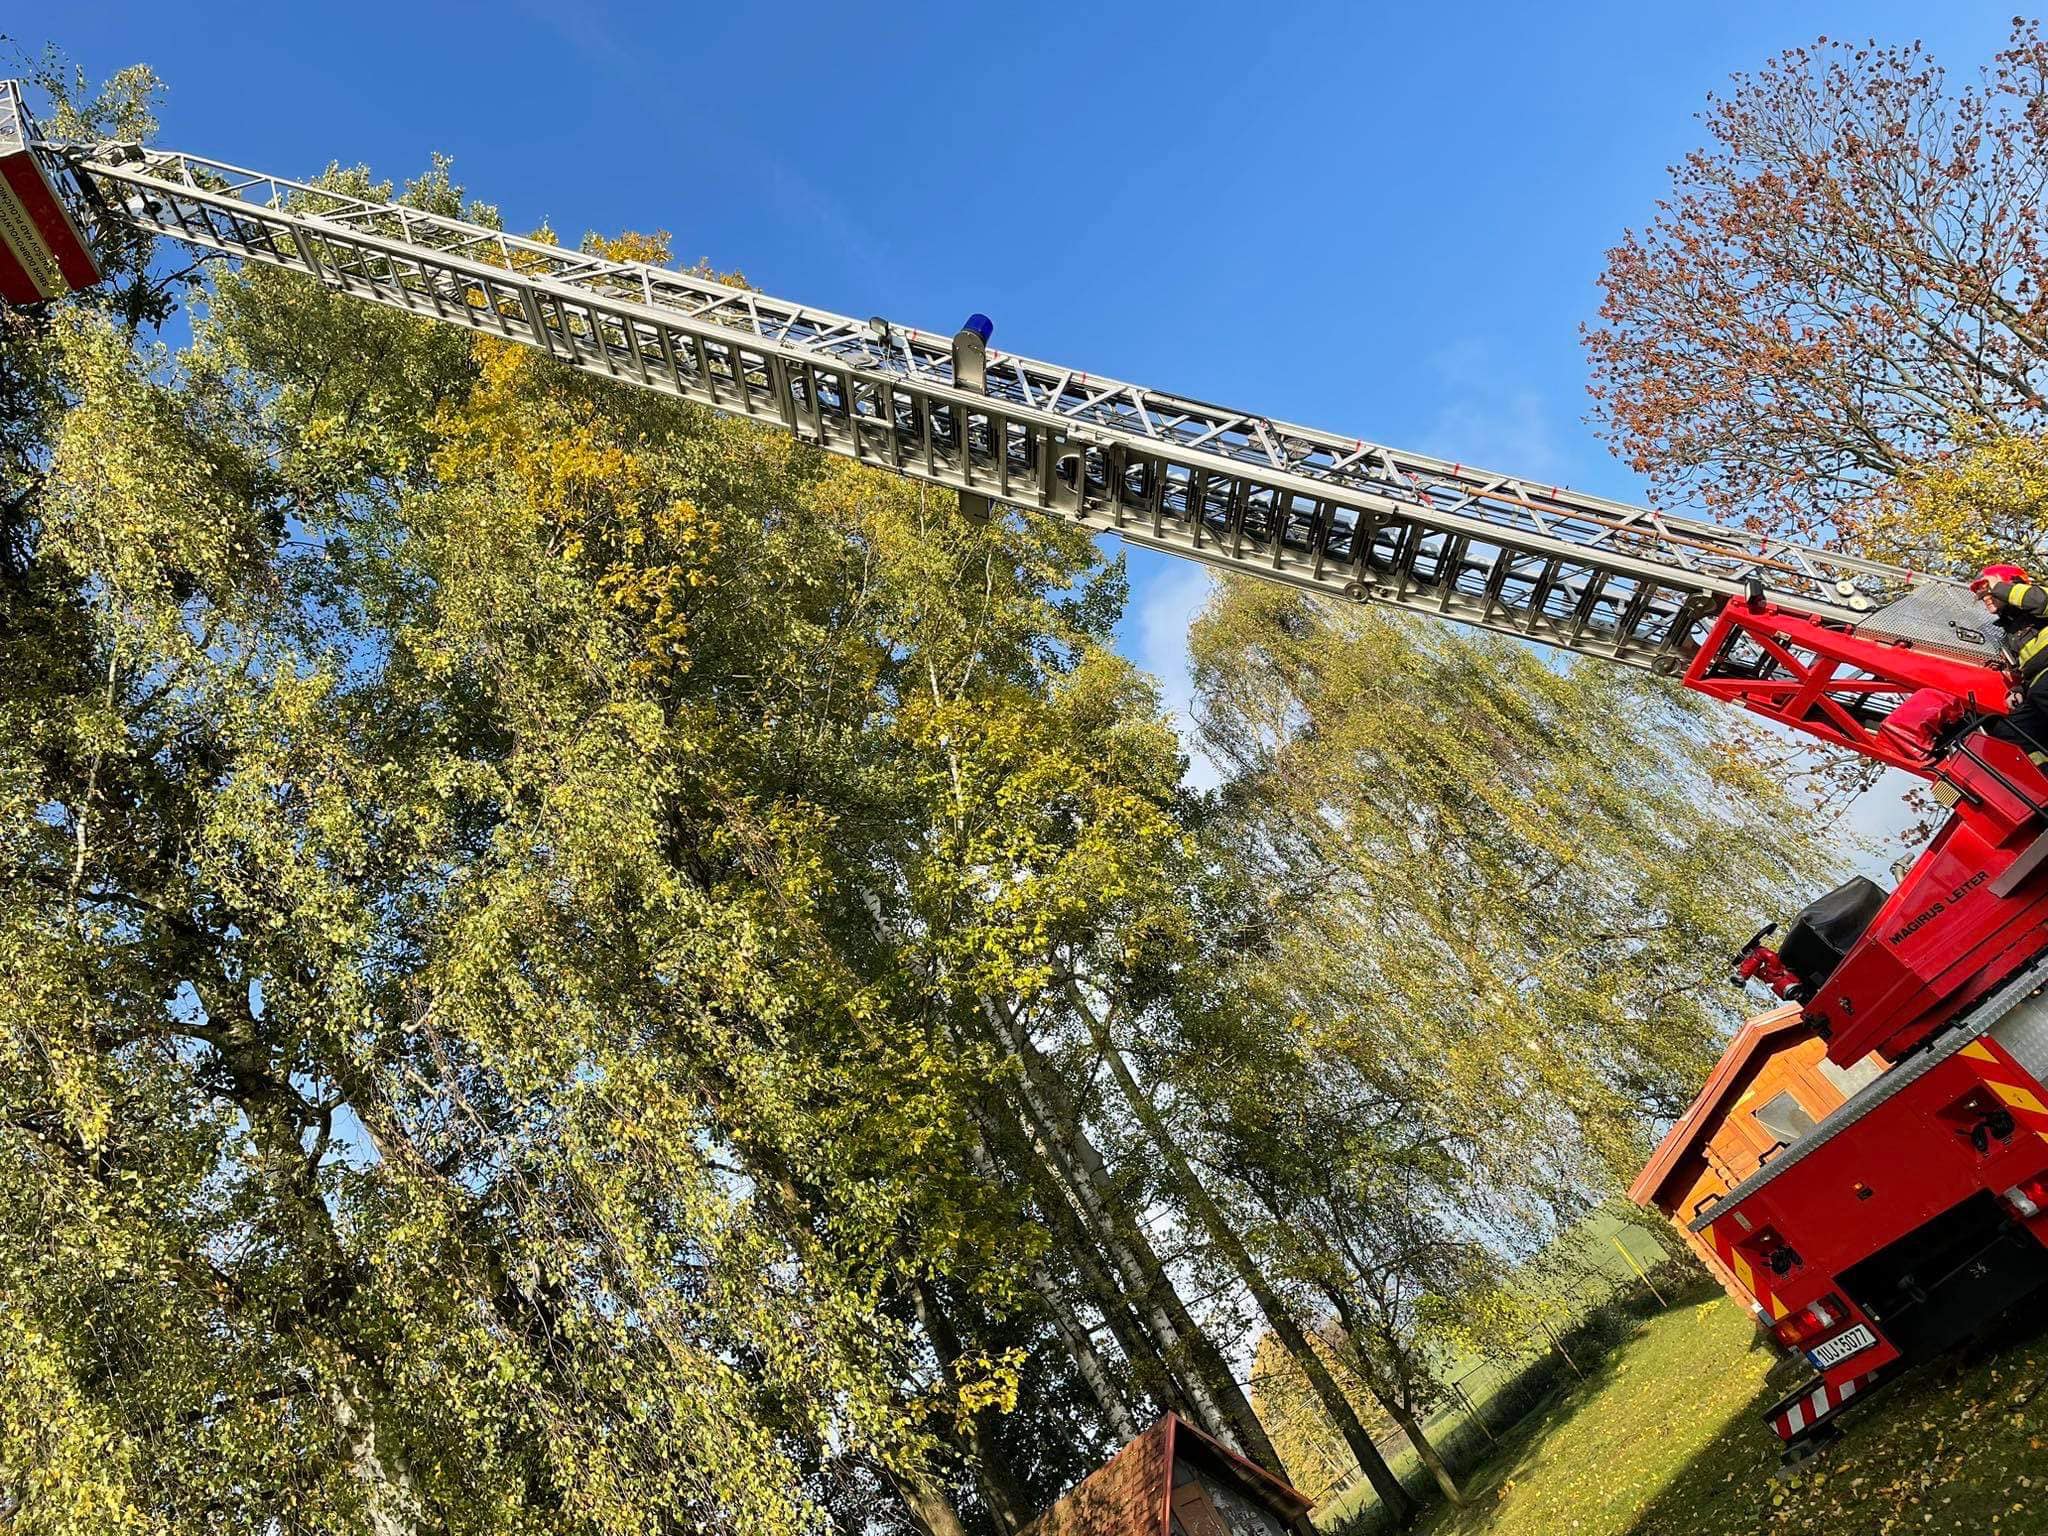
<point x="1128" y="1494"/>
<point x="1125" y="1496"/>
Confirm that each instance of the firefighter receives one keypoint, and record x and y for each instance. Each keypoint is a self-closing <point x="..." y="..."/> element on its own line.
<point x="2020" y="608"/>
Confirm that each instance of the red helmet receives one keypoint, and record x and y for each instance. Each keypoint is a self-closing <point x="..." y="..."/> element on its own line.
<point x="1994" y="573"/>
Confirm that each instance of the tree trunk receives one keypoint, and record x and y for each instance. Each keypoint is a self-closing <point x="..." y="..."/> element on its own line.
<point x="277" y="1119"/>
<point x="999" y="1489"/>
<point x="1143" y="1278"/>
<point x="923" y="1495"/>
<point x="388" y="1497"/>
<point x="1418" y="1437"/>
<point x="1087" y="1363"/>
<point x="1223" y="1408"/>
<point x="928" y="1504"/>
<point x="1149" y="1367"/>
<point x="1410" y="1425"/>
<point x="1397" y="1500"/>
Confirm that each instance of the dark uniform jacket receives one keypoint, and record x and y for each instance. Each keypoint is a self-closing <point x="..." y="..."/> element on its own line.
<point x="2023" y="615"/>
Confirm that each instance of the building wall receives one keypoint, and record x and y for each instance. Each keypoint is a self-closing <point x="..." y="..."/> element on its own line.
<point x="1734" y="1143"/>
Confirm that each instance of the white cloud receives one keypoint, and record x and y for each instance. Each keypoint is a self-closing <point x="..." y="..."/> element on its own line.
<point x="1488" y="419"/>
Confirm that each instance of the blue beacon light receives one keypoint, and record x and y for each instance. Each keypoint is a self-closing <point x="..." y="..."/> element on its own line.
<point x="981" y="325"/>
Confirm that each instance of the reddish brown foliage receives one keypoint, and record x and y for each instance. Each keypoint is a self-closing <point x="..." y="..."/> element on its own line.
<point x="1851" y="271"/>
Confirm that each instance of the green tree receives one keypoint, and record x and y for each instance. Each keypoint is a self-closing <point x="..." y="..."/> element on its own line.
<point x="1493" y="885"/>
<point x="1317" y="1460"/>
<point x="1459" y="962"/>
<point x="515" y="888"/>
<point x="576" y="966"/>
<point x="1984" y="503"/>
<point x="456" y="1080"/>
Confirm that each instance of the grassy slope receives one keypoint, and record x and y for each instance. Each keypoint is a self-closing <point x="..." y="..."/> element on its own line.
<point x="1664" y="1440"/>
<point x="1588" y="1247"/>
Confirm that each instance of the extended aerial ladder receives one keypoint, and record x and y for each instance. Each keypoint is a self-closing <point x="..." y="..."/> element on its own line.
<point x="1333" y="513"/>
<point x="1890" y="663"/>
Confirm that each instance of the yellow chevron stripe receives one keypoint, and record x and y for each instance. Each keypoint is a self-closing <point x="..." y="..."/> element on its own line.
<point x="1977" y="1050"/>
<point x="2019" y="1098"/>
<point x="1742" y="1270"/>
<point x="1778" y="1308"/>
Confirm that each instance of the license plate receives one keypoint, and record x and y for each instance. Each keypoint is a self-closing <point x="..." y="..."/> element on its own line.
<point x="1851" y="1341"/>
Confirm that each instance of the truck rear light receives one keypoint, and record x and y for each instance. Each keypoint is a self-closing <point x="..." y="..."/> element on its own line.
<point x="1811" y="1321"/>
<point x="2030" y="1198"/>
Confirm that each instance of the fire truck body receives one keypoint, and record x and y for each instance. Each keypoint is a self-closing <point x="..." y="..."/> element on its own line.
<point x="1912" y="1214"/>
<point x="1917" y="1212"/>
<point x="1971" y="911"/>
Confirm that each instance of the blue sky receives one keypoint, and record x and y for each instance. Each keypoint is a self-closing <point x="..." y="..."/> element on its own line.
<point x="1384" y="223"/>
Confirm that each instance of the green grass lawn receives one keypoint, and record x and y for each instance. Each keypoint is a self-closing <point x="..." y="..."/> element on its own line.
<point x="1593" y="1256"/>
<point x="1663" y="1439"/>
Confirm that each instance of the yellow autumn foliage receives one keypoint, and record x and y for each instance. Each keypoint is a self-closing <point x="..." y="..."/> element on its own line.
<point x="1985" y="503"/>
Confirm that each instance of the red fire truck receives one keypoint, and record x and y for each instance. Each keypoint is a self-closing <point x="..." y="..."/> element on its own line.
<point x="1917" y="1211"/>
<point x="1900" y="1222"/>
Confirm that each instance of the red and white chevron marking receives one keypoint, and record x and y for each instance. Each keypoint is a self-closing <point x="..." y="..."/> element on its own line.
<point x="1805" y="1412"/>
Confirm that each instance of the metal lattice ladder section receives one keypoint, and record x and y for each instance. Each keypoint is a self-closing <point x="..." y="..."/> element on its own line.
<point x="1234" y="490"/>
